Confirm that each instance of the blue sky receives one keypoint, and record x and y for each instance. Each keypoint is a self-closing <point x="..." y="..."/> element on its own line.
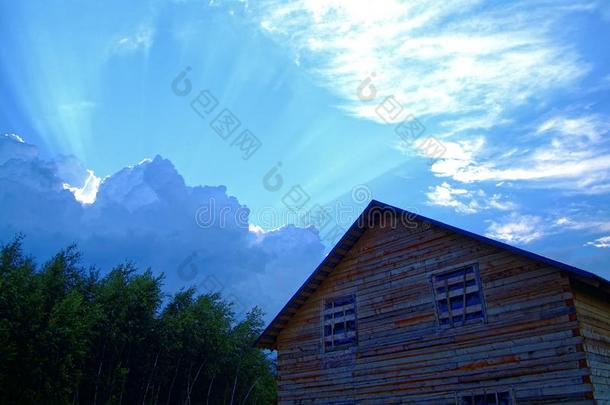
<point x="515" y="94"/>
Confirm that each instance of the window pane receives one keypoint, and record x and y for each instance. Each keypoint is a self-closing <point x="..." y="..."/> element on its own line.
<point x="339" y="330"/>
<point x="457" y="302"/>
<point x="474" y="315"/>
<point x="344" y="301"/>
<point x="351" y="326"/>
<point x="487" y="399"/>
<point x="342" y="341"/>
<point x="473" y="299"/>
<point x="504" y="398"/>
<point x="461" y="288"/>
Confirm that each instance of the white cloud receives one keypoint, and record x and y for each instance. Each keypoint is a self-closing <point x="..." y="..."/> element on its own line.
<point x="458" y="157"/>
<point x="255" y="229"/>
<point x="147" y="214"/>
<point x="515" y="228"/>
<point x="592" y="126"/>
<point x="15" y="137"/>
<point x="12" y="146"/>
<point x="446" y="196"/>
<point x="461" y="66"/>
<point x="455" y="57"/>
<point x="583" y="223"/>
<point x="465" y="201"/>
<point x="571" y="153"/>
<point x="87" y="193"/>
<point x="603" y="242"/>
<point x="140" y="40"/>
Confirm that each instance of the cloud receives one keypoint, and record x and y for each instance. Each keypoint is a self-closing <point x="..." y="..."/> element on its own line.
<point x="142" y="39"/>
<point x="458" y="57"/>
<point x="465" y="201"/>
<point x="603" y="242"/>
<point x="15" y="137"/>
<point x="583" y="223"/>
<point x="518" y="229"/>
<point x="465" y="69"/>
<point x="458" y="158"/>
<point x="566" y="152"/>
<point x="147" y="214"/>
<point x="591" y="127"/>
<point x="88" y="192"/>
<point x="12" y="146"/>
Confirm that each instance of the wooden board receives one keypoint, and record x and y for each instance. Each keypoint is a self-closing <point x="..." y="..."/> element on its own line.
<point x="593" y="312"/>
<point x="529" y="343"/>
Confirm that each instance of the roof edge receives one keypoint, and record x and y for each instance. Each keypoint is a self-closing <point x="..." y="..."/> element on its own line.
<point x="268" y="339"/>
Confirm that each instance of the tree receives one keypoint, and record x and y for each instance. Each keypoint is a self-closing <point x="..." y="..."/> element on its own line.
<point x="68" y="335"/>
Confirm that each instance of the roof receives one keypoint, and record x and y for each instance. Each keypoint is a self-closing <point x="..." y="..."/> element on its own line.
<point x="268" y="338"/>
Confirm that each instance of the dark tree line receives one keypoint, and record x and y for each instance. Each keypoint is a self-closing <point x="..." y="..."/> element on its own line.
<point x="70" y="336"/>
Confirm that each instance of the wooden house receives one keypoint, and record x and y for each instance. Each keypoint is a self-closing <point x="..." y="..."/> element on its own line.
<point x="409" y="310"/>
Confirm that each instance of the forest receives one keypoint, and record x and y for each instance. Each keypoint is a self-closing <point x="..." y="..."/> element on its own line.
<point x="69" y="335"/>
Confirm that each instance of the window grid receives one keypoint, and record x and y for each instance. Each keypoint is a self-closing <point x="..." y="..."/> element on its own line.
<point x="491" y="398"/>
<point x="458" y="297"/>
<point x="339" y="323"/>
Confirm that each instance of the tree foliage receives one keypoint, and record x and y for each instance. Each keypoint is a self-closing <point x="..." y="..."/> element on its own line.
<point x="68" y="335"/>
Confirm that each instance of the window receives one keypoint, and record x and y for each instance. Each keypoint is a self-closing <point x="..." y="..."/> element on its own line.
<point x="339" y="323"/>
<point x="458" y="297"/>
<point x="494" y="398"/>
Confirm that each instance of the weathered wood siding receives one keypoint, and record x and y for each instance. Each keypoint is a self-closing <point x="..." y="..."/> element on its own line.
<point x="530" y="343"/>
<point x="593" y="311"/>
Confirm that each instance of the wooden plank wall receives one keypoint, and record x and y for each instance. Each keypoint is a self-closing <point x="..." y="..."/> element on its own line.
<point x="530" y="343"/>
<point x="593" y="311"/>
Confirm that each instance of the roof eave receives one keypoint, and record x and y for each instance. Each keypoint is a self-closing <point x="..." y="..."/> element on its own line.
<point x="268" y="340"/>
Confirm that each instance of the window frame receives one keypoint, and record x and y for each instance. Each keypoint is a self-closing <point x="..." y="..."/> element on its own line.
<point x="460" y="400"/>
<point x="323" y="323"/>
<point x="437" y="298"/>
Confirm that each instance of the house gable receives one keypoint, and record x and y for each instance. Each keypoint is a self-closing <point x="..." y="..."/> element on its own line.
<point x="528" y="346"/>
<point x="374" y="215"/>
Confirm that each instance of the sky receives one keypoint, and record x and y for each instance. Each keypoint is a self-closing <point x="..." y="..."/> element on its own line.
<point x="197" y="137"/>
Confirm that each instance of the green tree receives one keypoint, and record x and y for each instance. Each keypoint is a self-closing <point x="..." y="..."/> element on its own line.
<point x="68" y="335"/>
